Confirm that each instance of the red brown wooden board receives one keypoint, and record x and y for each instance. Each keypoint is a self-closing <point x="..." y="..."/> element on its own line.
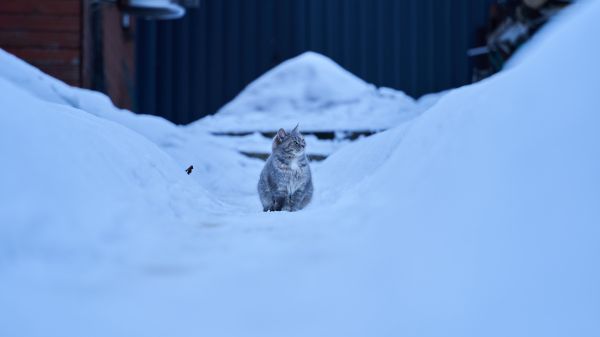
<point x="21" y="22"/>
<point x="44" y="33"/>
<point x="47" y="56"/>
<point x="50" y="7"/>
<point x="53" y="40"/>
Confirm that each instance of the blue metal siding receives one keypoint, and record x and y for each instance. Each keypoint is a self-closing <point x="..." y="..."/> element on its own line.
<point x="189" y="68"/>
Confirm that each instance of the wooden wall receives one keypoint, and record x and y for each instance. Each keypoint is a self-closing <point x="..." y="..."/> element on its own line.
<point x="45" y="33"/>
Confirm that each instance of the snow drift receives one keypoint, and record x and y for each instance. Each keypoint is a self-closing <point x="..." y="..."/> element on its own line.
<point x="74" y="184"/>
<point x="316" y="92"/>
<point x="49" y="89"/>
<point x="478" y="218"/>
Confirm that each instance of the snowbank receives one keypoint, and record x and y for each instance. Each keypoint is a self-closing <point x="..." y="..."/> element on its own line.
<point x="49" y="89"/>
<point x="478" y="218"/>
<point x="75" y="185"/>
<point x="316" y="92"/>
<point x="214" y="160"/>
<point x="485" y="212"/>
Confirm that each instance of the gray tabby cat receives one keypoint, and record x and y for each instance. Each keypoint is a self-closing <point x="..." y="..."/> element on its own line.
<point x="285" y="182"/>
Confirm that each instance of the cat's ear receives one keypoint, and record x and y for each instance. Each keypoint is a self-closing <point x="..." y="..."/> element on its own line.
<point x="295" y="130"/>
<point x="281" y="134"/>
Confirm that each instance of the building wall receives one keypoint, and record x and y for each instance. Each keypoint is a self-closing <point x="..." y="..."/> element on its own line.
<point x="46" y="34"/>
<point x="81" y="42"/>
<point x="112" y="63"/>
<point x="189" y="68"/>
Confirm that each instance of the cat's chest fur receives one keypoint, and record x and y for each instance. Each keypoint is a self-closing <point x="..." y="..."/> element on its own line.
<point x="296" y="180"/>
<point x="293" y="175"/>
<point x="293" y="165"/>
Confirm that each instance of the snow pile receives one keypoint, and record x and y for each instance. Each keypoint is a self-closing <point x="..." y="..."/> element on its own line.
<point x="49" y="89"/>
<point x="214" y="159"/>
<point x="75" y="185"/>
<point x="257" y="143"/>
<point x="484" y="212"/>
<point x="478" y="218"/>
<point x="316" y="92"/>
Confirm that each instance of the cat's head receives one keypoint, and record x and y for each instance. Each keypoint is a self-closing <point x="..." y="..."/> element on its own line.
<point x="291" y="143"/>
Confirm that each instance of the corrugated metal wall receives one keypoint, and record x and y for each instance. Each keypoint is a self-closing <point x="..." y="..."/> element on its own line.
<point x="189" y="68"/>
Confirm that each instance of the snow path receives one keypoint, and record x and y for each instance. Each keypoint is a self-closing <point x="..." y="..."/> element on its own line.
<point x="478" y="218"/>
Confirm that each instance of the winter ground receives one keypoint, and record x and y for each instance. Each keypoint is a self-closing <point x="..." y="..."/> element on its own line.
<point x="476" y="217"/>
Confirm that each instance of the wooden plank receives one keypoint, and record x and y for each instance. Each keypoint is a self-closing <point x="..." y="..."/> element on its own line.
<point x="50" y="7"/>
<point x="64" y="70"/>
<point x="324" y="135"/>
<point x="55" y="40"/>
<point x="263" y="156"/>
<point x="69" y="74"/>
<point x="47" y="56"/>
<point x="39" y="23"/>
<point x="87" y="45"/>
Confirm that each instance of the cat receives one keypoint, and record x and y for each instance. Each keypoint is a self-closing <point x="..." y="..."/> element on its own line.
<point x="285" y="182"/>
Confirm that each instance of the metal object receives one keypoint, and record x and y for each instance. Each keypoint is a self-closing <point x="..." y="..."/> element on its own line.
<point x="152" y="9"/>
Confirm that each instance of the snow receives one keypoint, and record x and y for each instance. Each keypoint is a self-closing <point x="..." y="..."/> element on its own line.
<point x="478" y="217"/>
<point x="257" y="143"/>
<point x="49" y="89"/>
<point x="73" y="182"/>
<point x="314" y="91"/>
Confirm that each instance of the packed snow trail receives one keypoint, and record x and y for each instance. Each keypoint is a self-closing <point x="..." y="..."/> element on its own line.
<point x="478" y="218"/>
